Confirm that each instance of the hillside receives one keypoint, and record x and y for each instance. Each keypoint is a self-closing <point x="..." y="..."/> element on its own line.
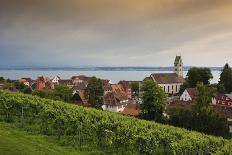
<point x="15" y="141"/>
<point x="78" y="126"/>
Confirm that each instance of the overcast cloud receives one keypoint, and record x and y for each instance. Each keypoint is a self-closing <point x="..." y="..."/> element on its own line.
<point x="115" y="32"/>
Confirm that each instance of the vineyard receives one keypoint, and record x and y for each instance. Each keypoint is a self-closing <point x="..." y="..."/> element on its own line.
<point x="78" y="126"/>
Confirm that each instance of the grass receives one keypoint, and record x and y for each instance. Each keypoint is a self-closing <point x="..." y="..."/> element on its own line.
<point x="14" y="141"/>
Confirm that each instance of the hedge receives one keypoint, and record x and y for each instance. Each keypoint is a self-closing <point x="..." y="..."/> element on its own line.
<point x="77" y="125"/>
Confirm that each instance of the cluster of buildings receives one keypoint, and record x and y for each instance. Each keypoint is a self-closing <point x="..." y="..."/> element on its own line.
<point x="119" y="97"/>
<point x="116" y="96"/>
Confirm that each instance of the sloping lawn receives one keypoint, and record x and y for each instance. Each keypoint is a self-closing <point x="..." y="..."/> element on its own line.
<point x="14" y="141"/>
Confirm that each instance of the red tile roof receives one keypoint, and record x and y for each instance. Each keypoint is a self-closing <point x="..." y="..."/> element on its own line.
<point x="132" y="110"/>
<point x="192" y="92"/>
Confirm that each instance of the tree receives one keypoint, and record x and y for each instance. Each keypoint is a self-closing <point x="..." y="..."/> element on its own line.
<point x="202" y="117"/>
<point x="94" y="92"/>
<point x="19" y="85"/>
<point x="153" y="101"/>
<point x="2" y="79"/>
<point x="204" y="97"/>
<point x="27" y="90"/>
<point x="135" y="88"/>
<point x="226" y="79"/>
<point x="196" y="75"/>
<point x="40" y="92"/>
<point x="62" y="92"/>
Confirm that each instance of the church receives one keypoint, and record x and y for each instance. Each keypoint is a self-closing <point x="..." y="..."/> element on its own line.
<point x="170" y="82"/>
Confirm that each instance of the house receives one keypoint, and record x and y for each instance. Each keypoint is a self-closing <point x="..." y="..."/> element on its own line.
<point x="80" y="79"/>
<point x="126" y="85"/>
<point x="79" y="98"/>
<point x="26" y="81"/>
<point x="55" y="80"/>
<point x="115" y="101"/>
<point x="170" y="82"/>
<point x="42" y="83"/>
<point x="66" y="82"/>
<point x="189" y="94"/>
<point x="223" y="100"/>
<point x="79" y="87"/>
<point x="123" y="87"/>
<point x="107" y="88"/>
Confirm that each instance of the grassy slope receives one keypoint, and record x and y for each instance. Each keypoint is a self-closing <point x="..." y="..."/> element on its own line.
<point x="14" y="141"/>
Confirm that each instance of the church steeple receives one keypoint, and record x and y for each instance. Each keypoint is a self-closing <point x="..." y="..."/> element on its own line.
<point x="178" y="66"/>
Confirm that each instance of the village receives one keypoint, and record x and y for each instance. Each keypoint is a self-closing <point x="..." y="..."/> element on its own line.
<point x="125" y="96"/>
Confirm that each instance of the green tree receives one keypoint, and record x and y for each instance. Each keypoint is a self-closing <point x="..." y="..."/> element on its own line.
<point x="196" y="75"/>
<point x="153" y="101"/>
<point x="94" y="92"/>
<point x="27" y="90"/>
<point x="62" y="92"/>
<point x="135" y="88"/>
<point x="2" y="79"/>
<point x="40" y="92"/>
<point x="226" y="79"/>
<point x="19" y="85"/>
<point x="204" y="97"/>
<point x="205" y="118"/>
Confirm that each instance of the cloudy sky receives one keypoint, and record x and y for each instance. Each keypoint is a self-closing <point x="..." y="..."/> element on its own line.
<point x="115" y="32"/>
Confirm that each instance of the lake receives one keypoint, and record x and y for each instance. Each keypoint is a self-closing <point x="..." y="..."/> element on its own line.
<point x="114" y="76"/>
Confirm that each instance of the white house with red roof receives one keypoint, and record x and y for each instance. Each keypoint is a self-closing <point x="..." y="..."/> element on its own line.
<point x="189" y="94"/>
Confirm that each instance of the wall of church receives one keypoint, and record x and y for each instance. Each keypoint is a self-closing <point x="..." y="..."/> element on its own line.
<point x="173" y="88"/>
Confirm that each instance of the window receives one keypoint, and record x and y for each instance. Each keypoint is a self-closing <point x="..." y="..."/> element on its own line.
<point x="176" y="88"/>
<point x="164" y="88"/>
<point x="168" y="88"/>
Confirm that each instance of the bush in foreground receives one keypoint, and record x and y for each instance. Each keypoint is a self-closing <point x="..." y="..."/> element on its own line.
<point x="109" y="131"/>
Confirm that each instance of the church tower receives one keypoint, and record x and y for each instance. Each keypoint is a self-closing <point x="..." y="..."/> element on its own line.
<point x="178" y="66"/>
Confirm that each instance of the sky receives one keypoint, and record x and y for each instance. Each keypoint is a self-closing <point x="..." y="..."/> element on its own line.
<point x="76" y="33"/>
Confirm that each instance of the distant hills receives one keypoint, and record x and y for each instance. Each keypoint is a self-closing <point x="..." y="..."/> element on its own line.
<point x="186" y="68"/>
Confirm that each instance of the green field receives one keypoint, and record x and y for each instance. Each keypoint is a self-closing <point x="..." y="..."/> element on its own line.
<point x="14" y="141"/>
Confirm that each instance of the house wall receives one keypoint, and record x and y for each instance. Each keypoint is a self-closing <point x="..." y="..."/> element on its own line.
<point x="27" y="83"/>
<point x="185" y="96"/>
<point x="55" y="80"/>
<point x="224" y="100"/>
<point x="173" y="88"/>
<point x="118" y="108"/>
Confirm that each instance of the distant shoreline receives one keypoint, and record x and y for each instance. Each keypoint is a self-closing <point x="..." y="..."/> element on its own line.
<point x="186" y="68"/>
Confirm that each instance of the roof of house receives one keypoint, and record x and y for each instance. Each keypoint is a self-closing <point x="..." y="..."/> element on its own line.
<point x="167" y="78"/>
<point x="114" y="98"/>
<point x="56" y="77"/>
<point x="132" y="110"/>
<point x="107" y="87"/>
<point x="117" y="88"/>
<point x="192" y="92"/>
<point x="79" y="86"/>
<point x="65" y="82"/>
<point x="177" y="60"/>
<point x="26" y="79"/>
<point x="43" y="79"/>
<point x="81" y="77"/>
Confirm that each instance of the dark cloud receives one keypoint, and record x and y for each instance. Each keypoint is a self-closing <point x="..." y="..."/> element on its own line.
<point x="109" y="32"/>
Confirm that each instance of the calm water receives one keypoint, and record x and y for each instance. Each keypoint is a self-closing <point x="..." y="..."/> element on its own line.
<point x="114" y="76"/>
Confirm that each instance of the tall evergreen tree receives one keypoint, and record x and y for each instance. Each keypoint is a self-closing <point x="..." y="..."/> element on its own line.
<point x="154" y="101"/>
<point x="226" y="79"/>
